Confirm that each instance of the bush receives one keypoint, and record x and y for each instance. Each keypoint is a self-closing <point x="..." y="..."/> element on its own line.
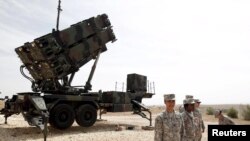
<point x="225" y="110"/>
<point x="210" y="111"/>
<point x="232" y="113"/>
<point x="246" y="113"/>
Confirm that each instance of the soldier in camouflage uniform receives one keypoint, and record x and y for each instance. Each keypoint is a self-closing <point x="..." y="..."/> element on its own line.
<point x="188" y="120"/>
<point x="181" y="108"/>
<point x="168" y="125"/>
<point x="223" y="120"/>
<point x="199" y="124"/>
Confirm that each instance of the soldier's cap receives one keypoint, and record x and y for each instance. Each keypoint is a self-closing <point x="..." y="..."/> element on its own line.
<point x="189" y="96"/>
<point x="197" y="101"/>
<point x="217" y="112"/>
<point x="188" y="101"/>
<point x="169" y="97"/>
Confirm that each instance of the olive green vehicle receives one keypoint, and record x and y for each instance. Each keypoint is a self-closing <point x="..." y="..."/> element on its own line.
<point x="52" y="61"/>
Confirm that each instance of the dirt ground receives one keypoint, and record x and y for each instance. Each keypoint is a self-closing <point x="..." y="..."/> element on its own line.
<point x="18" y="130"/>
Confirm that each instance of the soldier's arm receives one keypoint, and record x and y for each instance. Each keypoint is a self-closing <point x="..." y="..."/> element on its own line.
<point x="182" y="128"/>
<point x="203" y="125"/>
<point x="158" y="129"/>
<point x="231" y="122"/>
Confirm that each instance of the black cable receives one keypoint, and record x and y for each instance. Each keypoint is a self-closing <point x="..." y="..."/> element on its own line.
<point x="24" y="75"/>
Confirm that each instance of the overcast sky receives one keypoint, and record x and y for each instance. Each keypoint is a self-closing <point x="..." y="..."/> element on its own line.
<point x="192" y="47"/>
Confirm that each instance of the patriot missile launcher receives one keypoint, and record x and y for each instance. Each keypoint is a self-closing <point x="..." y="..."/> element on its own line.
<point x="54" y="56"/>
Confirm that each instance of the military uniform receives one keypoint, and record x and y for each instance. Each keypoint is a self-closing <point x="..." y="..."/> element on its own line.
<point x="199" y="125"/>
<point x="225" y="121"/>
<point x="188" y="123"/>
<point x="181" y="109"/>
<point x="189" y="126"/>
<point x="168" y="125"/>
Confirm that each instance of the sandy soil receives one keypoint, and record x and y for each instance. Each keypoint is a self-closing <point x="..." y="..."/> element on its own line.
<point x="18" y="130"/>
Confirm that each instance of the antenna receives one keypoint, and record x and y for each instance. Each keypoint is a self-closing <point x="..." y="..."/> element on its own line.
<point x="154" y="87"/>
<point x="122" y="86"/>
<point x="148" y="86"/>
<point x="58" y="14"/>
<point x="115" y="86"/>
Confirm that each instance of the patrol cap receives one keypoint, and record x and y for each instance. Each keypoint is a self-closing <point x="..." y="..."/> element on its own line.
<point x="189" y="96"/>
<point x="197" y="101"/>
<point x="217" y="112"/>
<point x="188" y="101"/>
<point x="169" y="97"/>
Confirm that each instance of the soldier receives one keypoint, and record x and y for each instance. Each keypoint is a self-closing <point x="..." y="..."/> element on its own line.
<point x="199" y="124"/>
<point x="223" y="120"/>
<point x="168" y="125"/>
<point x="181" y="108"/>
<point x="188" y="120"/>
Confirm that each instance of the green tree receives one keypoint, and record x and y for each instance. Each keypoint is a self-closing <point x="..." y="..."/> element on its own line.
<point x="232" y="113"/>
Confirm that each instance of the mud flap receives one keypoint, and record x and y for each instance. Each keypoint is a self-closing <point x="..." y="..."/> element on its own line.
<point x="40" y="121"/>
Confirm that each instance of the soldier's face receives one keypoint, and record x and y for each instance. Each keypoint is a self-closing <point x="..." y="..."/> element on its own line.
<point x="197" y="104"/>
<point x="190" y="107"/>
<point x="170" y="104"/>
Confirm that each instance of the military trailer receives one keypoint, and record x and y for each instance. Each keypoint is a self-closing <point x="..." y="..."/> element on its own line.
<point x="52" y="61"/>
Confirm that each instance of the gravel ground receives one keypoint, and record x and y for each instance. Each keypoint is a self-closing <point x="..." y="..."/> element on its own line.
<point x="18" y="129"/>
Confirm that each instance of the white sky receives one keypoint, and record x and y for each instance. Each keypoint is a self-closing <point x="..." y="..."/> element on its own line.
<point x="186" y="47"/>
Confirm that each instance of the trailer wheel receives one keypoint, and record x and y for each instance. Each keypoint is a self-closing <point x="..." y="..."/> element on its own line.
<point x="86" y="115"/>
<point x="62" y="116"/>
